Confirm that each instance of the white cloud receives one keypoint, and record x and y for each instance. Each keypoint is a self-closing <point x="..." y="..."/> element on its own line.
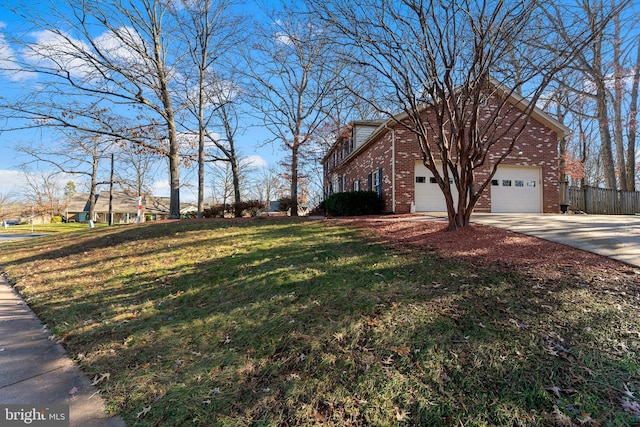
<point x="254" y="161"/>
<point x="59" y="51"/>
<point x="161" y="188"/>
<point x="9" y="66"/>
<point x="122" y="46"/>
<point x="12" y="182"/>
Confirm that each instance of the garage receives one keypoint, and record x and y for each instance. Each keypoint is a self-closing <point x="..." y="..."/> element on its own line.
<point x="516" y="189"/>
<point x="513" y="189"/>
<point x="428" y="196"/>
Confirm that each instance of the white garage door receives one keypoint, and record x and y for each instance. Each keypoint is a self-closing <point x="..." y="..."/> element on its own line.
<point x="428" y="195"/>
<point x="516" y="189"/>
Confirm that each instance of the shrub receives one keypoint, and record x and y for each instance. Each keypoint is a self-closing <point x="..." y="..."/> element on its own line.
<point x="250" y="207"/>
<point x="56" y="219"/>
<point x="246" y="208"/>
<point x="353" y="203"/>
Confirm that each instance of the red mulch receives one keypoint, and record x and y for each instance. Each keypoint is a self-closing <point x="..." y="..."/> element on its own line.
<point x="484" y="246"/>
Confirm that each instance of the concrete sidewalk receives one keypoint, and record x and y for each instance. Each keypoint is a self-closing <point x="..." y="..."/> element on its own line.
<point x="36" y="370"/>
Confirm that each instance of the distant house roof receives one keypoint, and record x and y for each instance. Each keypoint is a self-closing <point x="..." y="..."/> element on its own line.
<point x="79" y="202"/>
<point x="122" y="202"/>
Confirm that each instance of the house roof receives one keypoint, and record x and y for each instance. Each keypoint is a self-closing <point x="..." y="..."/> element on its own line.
<point x="79" y="202"/>
<point x="122" y="202"/>
<point x="515" y="99"/>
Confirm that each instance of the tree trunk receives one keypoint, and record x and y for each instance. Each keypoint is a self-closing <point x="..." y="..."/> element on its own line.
<point x="294" y="179"/>
<point x="617" y="104"/>
<point x="235" y="176"/>
<point x="633" y="126"/>
<point x="605" y="138"/>
<point x="201" y="131"/>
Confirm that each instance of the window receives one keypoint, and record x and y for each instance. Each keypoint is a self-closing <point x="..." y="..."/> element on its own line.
<point x="356" y="185"/>
<point x="506" y="183"/>
<point x="531" y="183"/>
<point x="421" y="179"/>
<point x="432" y="180"/>
<point x="376" y="182"/>
<point x="519" y="183"/>
<point x="494" y="182"/>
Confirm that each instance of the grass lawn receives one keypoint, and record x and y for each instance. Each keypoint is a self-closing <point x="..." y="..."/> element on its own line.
<point x="296" y="322"/>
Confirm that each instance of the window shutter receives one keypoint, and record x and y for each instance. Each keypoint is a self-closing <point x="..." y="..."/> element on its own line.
<point x="369" y="182"/>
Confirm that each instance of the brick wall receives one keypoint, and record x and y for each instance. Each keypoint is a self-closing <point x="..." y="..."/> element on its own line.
<point x="536" y="146"/>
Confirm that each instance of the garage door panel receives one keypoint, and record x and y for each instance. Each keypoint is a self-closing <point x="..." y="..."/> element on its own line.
<point x="516" y="189"/>
<point x="428" y="195"/>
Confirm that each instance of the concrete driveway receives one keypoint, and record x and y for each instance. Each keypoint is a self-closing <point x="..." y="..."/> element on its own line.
<point x="614" y="236"/>
<point x="5" y="237"/>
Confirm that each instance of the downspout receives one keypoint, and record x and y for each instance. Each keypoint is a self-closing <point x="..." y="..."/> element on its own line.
<point x="393" y="168"/>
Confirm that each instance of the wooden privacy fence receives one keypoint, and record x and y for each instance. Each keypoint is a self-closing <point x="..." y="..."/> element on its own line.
<point x="593" y="200"/>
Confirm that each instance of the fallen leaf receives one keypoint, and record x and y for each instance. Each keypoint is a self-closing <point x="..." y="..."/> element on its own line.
<point x="388" y="361"/>
<point x="401" y="350"/>
<point x="628" y="392"/>
<point x="588" y="371"/>
<point x="520" y="325"/>
<point x="73" y="391"/>
<point x="558" y="418"/>
<point x="631" y="406"/>
<point x="587" y="421"/>
<point x="554" y="389"/>
<point x="400" y="414"/>
<point x="103" y="377"/>
<point x="144" y="411"/>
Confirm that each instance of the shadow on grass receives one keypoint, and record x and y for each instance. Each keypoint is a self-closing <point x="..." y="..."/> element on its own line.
<point x="301" y="322"/>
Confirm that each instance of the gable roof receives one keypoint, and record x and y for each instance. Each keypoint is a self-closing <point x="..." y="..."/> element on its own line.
<point x="513" y="98"/>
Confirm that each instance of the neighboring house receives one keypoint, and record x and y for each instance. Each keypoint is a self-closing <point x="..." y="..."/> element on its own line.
<point x="78" y="208"/>
<point x="124" y="207"/>
<point x="384" y="157"/>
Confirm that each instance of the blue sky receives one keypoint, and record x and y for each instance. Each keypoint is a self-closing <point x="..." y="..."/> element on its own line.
<point x="250" y="142"/>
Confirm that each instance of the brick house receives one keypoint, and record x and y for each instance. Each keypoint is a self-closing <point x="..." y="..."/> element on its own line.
<point x="383" y="156"/>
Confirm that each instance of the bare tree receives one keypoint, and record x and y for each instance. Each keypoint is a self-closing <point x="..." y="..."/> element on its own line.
<point x="44" y="193"/>
<point x="7" y="206"/>
<point x="137" y="165"/>
<point x="601" y="77"/>
<point x="291" y="79"/>
<point x="633" y="123"/>
<point x="116" y="56"/>
<point x="269" y="185"/>
<point x="211" y="31"/>
<point x="78" y="154"/>
<point x="439" y="62"/>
